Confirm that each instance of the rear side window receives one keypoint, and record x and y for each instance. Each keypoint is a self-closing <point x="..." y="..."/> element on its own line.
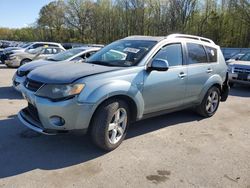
<point x="196" y="54"/>
<point x="172" y="53"/>
<point x="48" y="51"/>
<point x="212" y="54"/>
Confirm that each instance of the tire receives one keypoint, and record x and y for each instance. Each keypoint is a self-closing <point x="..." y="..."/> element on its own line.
<point x="231" y="84"/>
<point x="24" y="61"/>
<point x="105" y="132"/>
<point x="210" y="102"/>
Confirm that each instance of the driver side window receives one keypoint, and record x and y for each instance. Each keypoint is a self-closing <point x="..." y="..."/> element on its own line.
<point x="172" y="53"/>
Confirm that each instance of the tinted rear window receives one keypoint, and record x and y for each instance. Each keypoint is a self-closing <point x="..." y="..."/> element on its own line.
<point x="196" y="54"/>
<point x="212" y="54"/>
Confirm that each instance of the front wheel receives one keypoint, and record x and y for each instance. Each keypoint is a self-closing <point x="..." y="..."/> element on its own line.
<point x="110" y="123"/>
<point x="210" y="102"/>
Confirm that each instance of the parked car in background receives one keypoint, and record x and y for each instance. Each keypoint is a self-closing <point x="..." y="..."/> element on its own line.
<point x="5" y="44"/>
<point x="8" y="51"/>
<point x="25" y="47"/>
<point x="74" y="55"/>
<point x="239" y="70"/>
<point x="1" y="52"/>
<point x="77" y="45"/>
<point x="68" y="46"/>
<point x="20" y="58"/>
<point x="108" y="92"/>
<point x="230" y="52"/>
<point x="235" y="57"/>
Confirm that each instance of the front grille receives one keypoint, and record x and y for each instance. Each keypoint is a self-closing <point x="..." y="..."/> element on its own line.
<point x="241" y="70"/>
<point x="22" y="73"/>
<point x="32" y="85"/>
<point x="33" y="112"/>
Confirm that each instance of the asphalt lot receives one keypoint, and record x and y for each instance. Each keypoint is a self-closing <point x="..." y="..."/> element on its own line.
<point x="175" y="150"/>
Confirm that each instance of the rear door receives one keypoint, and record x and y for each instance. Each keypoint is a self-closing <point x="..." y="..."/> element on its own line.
<point x="166" y="89"/>
<point x="199" y="70"/>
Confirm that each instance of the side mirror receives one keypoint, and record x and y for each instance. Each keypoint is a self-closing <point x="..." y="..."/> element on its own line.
<point x="159" y="65"/>
<point x="237" y="58"/>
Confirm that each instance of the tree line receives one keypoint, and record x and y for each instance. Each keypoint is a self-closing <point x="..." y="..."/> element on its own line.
<point x="103" y="21"/>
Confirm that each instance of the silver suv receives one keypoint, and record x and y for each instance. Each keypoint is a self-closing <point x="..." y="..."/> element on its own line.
<point x="128" y="80"/>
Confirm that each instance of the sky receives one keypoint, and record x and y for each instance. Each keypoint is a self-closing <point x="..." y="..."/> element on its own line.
<point x="20" y="13"/>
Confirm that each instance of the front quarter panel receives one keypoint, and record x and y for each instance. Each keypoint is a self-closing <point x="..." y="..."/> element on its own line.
<point x="130" y="85"/>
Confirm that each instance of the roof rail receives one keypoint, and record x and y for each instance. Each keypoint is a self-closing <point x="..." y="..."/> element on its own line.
<point x="191" y="37"/>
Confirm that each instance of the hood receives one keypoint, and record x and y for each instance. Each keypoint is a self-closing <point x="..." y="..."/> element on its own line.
<point x="240" y="64"/>
<point x="15" y="51"/>
<point x="67" y="72"/>
<point x="35" y="64"/>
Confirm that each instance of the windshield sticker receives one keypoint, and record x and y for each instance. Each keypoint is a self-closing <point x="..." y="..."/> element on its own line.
<point x="131" y="50"/>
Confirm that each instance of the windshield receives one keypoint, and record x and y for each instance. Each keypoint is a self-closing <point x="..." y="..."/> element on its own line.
<point x="246" y="57"/>
<point x="236" y="56"/>
<point x="65" y="55"/>
<point x="122" y="53"/>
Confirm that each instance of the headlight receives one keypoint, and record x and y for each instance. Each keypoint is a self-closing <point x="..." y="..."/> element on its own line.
<point x="59" y="92"/>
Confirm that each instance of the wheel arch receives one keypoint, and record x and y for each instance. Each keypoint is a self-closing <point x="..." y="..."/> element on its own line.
<point x="25" y="59"/>
<point x="131" y="104"/>
<point x="216" y="81"/>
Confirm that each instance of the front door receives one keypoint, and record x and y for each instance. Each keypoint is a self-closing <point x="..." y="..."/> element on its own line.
<point x="166" y="89"/>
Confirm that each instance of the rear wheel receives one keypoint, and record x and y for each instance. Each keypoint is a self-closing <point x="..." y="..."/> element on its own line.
<point x="110" y="124"/>
<point x="210" y="102"/>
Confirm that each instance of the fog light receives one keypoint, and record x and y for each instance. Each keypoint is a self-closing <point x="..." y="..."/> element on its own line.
<point x="57" y="121"/>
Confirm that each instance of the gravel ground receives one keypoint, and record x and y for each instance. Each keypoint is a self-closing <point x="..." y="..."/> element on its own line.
<point x="175" y="150"/>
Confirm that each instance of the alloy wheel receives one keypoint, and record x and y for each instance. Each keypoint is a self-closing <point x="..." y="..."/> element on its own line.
<point x="117" y="126"/>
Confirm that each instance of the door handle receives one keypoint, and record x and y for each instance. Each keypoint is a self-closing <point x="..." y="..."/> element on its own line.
<point x="182" y="75"/>
<point x="209" y="70"/>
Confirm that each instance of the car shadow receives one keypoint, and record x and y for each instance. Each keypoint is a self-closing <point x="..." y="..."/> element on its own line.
<point x="163" y="121"/>
<point x="240" y="91"/>
<point x="22" y="150"/>
<point x="9" y="93"/>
